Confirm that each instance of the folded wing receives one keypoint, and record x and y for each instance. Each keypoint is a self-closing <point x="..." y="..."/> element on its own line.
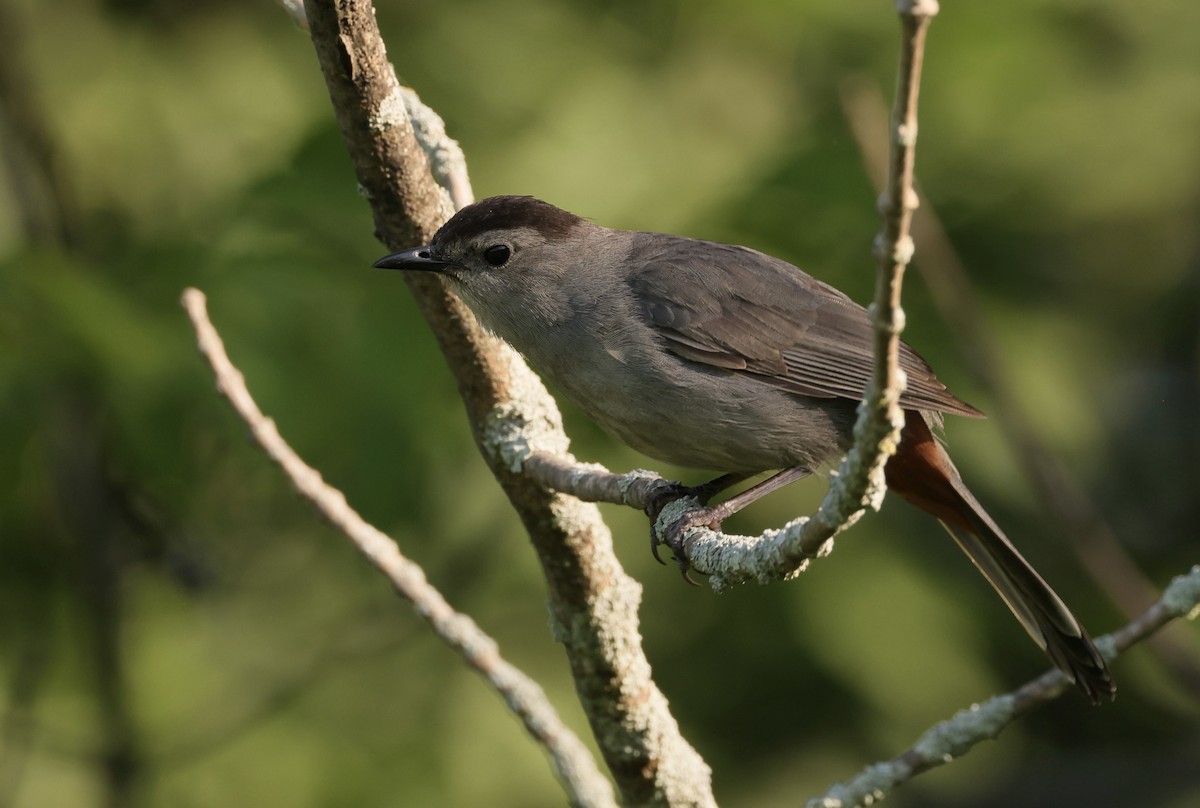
<point x="743" y="311"/>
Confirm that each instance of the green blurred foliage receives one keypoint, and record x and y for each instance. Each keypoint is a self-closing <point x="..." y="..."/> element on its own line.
<point x="177" y="628"/>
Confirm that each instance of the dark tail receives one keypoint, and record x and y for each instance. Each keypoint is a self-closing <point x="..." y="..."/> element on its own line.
<point x="921" y="472"/>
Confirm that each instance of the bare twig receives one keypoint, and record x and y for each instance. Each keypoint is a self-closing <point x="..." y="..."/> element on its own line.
<point x="859" y="482"/>
<point x="593" y="602"/>
<point x="591" y="482"/>
<point x="572" y="762"/>
<point x="981" y="722"/>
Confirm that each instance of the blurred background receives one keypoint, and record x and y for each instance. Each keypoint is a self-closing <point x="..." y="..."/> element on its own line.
<point x="177" y="628"/>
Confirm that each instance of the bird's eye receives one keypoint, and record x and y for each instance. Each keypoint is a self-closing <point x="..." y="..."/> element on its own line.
<point x="497" y="255"/>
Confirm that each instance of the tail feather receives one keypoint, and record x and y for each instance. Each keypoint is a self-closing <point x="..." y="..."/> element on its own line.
<point x="923" y="474"/>
<point x="1042" y="613"/>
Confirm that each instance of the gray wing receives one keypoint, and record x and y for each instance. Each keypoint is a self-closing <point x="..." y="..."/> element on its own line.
<point x="744" y="311"/>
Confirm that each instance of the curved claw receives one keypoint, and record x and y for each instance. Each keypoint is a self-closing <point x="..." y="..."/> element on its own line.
<point x="654" y="509"/>
<point x="685" y="566"/>
<point x="674" y="538"/>
<point x="654" y="542"/>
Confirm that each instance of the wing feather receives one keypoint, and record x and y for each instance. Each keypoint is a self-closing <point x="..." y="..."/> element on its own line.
<point x="743" y="311"/>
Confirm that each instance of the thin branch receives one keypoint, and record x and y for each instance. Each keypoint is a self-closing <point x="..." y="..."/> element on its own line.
<point x="859" y="482"/>
<point x="447" y="162"/>
<point x="981" y="722"/>
<point x="726" y="558"/>
<point x="571" y="760"/>
<point x="593" y="603"/>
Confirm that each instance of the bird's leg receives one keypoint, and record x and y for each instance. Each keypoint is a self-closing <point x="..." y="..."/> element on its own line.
<point x="714" y="516"/>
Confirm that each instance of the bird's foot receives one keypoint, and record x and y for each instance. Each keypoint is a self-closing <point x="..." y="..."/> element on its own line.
<point x="654" y="509"/>
<point x="673" y="534"/>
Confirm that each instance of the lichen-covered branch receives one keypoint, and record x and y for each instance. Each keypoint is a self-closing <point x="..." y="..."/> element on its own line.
<point x="958" y="735"/>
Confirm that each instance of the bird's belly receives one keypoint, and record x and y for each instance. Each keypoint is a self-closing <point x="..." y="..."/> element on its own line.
<point x="708" y="419"/>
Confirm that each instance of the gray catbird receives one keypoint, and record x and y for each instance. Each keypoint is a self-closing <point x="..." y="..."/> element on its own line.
<point x="719" y="357"/>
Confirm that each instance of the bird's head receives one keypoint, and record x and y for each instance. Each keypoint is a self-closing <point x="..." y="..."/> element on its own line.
<point x="504" y="252"/>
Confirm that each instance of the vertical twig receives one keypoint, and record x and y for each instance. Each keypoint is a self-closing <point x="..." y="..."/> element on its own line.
<point x="894" y="246"/>
<point x="877" y="431"/>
